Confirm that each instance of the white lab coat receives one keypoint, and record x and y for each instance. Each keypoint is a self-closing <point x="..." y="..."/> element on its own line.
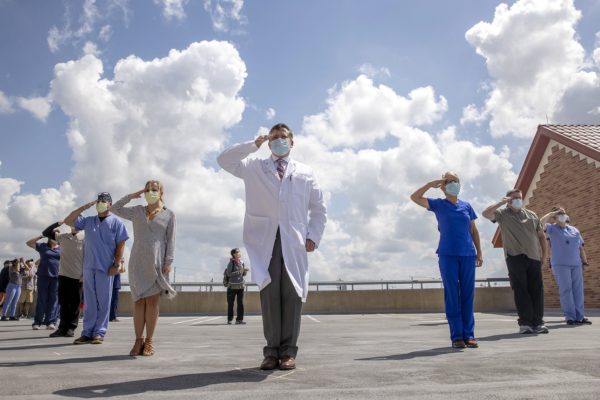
<point x="294" y="204"/>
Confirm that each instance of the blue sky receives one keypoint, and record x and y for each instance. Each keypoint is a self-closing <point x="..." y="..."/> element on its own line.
<point x="321" y="67"/>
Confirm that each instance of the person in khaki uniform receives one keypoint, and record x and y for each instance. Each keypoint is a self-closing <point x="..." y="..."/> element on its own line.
<point x="525" y="250"/>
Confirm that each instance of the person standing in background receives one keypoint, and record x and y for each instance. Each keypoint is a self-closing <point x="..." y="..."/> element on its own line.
<point x="235" y="272"/>
<point x="525" y="250"/>
<point x="47" y="282"/>
<point x="27" y="287"/>
<point x="459" y="253"/>
<point x="13" y="290"/>
<point x="70" y="275"/>
<point x="105" y="237"/>
<point x="567" y="259"/>
<point x="151" y="260"/>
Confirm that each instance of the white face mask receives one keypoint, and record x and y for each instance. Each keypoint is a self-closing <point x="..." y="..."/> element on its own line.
<point x="517" y="204"/>
<point x="152" y="196"/>
<point x="562" y="218"/>
<point x="101" y="207"/>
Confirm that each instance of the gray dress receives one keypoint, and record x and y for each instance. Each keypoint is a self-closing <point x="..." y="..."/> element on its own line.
<point x="153" y="247"/>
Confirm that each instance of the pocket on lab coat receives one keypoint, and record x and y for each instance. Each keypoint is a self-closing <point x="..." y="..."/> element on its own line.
<point x="255" y="229"/>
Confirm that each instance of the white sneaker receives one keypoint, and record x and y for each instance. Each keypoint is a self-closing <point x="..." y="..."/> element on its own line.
<point x="35" y="327"/>
<point x="524" y="329"/>
<point x="51" y="327"/>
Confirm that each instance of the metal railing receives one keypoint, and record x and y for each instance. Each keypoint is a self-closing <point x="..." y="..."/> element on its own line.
<point x="341" y="285"/>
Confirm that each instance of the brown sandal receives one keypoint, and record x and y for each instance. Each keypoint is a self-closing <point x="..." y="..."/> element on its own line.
<point x="138" y="347"/>
<point x="148" y="348"/>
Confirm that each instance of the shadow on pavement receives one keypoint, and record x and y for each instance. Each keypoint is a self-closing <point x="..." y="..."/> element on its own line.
<point x="178" y="382"/>
<point x="36" y="346"/>
<point x="413" y="354"/>
<point x="83" y="360"/>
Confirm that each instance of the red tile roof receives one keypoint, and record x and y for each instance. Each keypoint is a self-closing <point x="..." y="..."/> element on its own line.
<point x="584" y="139"/>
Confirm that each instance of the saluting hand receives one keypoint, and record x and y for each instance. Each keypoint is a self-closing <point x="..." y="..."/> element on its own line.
<point x="260" y="140"/>
<point x="437" y="183"/>
<point x="138" y="194"/>
<point x="88" y="205"/>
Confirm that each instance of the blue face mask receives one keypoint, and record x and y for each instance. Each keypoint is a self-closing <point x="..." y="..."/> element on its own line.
<point x="280" y="147"/>
<point x="517" y="204"/>
<point x="453" y="188"/>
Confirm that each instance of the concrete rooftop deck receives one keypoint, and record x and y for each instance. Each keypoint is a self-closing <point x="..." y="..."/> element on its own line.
<point x="341" y="356"/>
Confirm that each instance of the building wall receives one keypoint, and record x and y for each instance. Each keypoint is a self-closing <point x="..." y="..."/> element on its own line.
<point x="574" y="183"/>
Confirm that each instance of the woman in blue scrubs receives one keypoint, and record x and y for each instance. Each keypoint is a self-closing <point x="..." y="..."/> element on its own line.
<point x="459" y="252"/>
<point x="567" y="259"/>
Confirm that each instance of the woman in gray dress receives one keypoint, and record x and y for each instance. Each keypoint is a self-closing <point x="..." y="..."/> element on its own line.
<point x="150" y="261"/>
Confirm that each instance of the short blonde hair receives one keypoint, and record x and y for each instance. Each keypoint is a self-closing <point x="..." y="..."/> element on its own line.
<point x="453" y="174"/>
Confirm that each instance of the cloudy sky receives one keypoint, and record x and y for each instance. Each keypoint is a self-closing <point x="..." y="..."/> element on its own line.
<point x="101" y="95"/>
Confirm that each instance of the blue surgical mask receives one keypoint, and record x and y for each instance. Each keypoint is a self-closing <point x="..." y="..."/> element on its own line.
<point x="517" y="204"/>
<point x="280" y="147"/>
<point x="562" y="218"/>
<point x="453" y="188"/>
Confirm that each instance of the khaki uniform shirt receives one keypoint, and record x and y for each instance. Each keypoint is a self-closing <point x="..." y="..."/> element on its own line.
<point x="519" y="232"/>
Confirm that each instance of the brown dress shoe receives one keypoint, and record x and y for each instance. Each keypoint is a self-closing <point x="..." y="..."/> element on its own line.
<point x="287" y="362"/>
<point x="459" y="344"/>
<point x="269" y="363"/>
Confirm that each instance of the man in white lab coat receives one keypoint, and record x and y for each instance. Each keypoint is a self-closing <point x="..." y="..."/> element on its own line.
<point x="285" y="219"/>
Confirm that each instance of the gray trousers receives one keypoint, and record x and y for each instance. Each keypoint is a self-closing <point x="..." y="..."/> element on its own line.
<point x="281" y="309"/>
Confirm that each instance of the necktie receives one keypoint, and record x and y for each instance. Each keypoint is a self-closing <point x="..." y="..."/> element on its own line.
<point x="281" y="168"/>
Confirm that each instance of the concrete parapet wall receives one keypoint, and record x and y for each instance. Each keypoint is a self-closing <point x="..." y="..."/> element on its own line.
<point x="338" y="302"/>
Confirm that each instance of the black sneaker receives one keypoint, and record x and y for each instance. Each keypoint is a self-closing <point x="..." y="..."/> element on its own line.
<point x="82" y="340"/>
<point x="228" y="322"/>
<point x="14" y="319"/>
<point x="540" y="329"/>
<point x="70" y="333"/>
<point x="459" y="344"/>
<point x="57" y="333"/>
<point x="584" y="321"/>
<point x="570" y="322"/>
<point x="4" y="319"/>
<point x="239" y="322"/>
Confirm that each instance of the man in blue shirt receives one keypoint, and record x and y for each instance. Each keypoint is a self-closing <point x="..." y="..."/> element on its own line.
<point x="105" y="237"/>
<point x="47" y="282"/>
<point x="459" y="252"/>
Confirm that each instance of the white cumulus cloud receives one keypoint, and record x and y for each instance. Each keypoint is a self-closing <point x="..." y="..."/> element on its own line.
<point x="5" y="104"/>
<point x="173" y="8"/>
<point x="39" y="107"/>
<point x="225" y="14"/>
<point x="362" y="113"/>
<point x="537" y="66"/>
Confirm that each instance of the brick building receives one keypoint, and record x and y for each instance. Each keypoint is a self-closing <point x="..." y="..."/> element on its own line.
<point x="563" y="167"/>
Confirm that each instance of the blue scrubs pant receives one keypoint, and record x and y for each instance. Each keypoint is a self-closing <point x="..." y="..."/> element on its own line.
<point x="570" y="286"/>
<point x="458" y="276"/>
<point x="47" y="301"/>
<point x="97" y="290"/>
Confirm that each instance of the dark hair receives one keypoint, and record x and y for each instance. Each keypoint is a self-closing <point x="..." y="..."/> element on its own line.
<point x="233" y="251"/>
<point x="557" y="208"/>
<point x="282" y="127"/>
<point x="511" y="191"/>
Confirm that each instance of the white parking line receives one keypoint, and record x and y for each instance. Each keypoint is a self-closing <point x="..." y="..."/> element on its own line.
<point x="188" y="320"/>
<point x="312" y="318"/>
<point x="206" y="320"/>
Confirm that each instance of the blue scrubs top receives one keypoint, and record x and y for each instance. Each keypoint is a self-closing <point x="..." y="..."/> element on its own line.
<point x="101" y="240"/>
<point x="454" y="224"/>
<point x="49" y="260"/>
<point x="564" y="245"/>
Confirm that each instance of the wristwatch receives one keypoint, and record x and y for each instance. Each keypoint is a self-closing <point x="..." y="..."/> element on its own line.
<point x="586" y="264"/>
